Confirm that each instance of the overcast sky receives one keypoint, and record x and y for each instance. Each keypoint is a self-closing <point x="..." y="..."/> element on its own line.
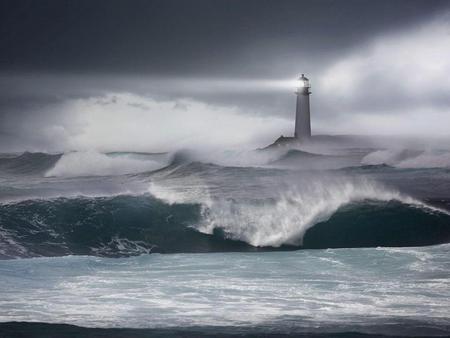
<point x="154" y="75"/>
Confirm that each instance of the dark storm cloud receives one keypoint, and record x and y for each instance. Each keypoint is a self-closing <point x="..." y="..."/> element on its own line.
<point x="61" y="59"/>
<point x="199" y="37"/>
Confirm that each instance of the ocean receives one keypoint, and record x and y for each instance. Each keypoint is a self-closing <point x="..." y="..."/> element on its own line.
<point x="324" y="241"/>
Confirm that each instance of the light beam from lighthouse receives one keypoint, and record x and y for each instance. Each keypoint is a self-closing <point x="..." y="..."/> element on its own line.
<point x="303" y="114"/>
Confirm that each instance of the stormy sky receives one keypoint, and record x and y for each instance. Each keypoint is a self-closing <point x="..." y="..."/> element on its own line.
<point x="157" y="75"/>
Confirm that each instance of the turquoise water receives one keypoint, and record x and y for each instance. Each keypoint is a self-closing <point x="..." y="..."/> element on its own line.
<point x="281" y="291"/>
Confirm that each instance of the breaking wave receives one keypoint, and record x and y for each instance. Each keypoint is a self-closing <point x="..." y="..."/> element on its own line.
<point x="88" y="163"/>
<point x="285" y="220"/>
<point x="103" y="226"/>
<point x="343" y="215"/>
<point x="92" y="163"/>
<point x="405" y="158"/>
<point x="196" y="207"/>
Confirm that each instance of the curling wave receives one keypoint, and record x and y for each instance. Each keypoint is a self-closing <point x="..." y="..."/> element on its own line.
<point x="285" y="220"/>
<point x="134" y="225"/>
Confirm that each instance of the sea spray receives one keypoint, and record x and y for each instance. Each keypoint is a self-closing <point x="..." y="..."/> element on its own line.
<point x="284" y="218"/>
<point x="91" y="163"/>
<point x="190" y="206"/>
<point x="133" y="225"/>
<point x="408" y="158"/>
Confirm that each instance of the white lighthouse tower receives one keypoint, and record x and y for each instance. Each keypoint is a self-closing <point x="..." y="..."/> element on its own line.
<point x="302" y="114"/>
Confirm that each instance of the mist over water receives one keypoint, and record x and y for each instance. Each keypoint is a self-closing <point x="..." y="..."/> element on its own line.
<point x="91" y="163"/>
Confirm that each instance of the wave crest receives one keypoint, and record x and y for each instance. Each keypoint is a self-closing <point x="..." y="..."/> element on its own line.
<point x="281" y="218"/>
<point x="134" y="225"/>
<point x="91" y="163"/>
<point x="285" y="220"/>
<point x="405" y="158"/>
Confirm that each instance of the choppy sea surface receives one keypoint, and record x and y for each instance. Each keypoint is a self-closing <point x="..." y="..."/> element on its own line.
<point x="317" y="241"/>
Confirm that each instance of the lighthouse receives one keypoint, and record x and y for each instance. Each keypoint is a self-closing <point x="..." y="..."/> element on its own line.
<point x="302" y="113"/>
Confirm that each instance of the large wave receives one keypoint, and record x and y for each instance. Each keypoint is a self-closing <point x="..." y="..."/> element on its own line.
<point x="283" y="220"/>
<point x="133" y="225"/>
<point x="103" y="226"/>
<point x="197" y="207"/>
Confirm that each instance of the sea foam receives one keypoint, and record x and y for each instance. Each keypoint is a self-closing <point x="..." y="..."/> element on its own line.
<point x="284" y="219"/>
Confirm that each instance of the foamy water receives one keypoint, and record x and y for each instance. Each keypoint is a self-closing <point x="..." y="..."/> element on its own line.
<point x="81" y="237"/>
<point x="284" y="218"/>
<point x="234" y="289"/>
